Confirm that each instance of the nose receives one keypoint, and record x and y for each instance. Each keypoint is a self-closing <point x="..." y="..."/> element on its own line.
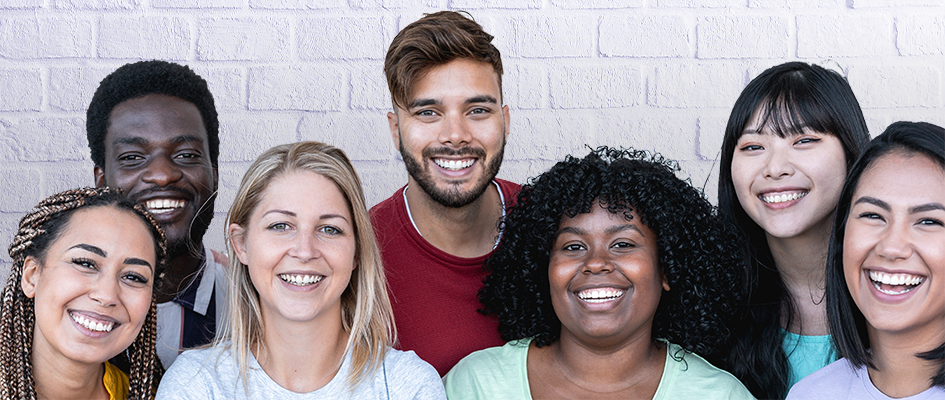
<point x="162" y="171"/>
<point x="305" y="247"/>
<point x="597" y="262"/>
<point x="456" y="130"/>
<point x="105" y="291"/>
<point x="895" y="243"/>
<point x="779" y="165"/>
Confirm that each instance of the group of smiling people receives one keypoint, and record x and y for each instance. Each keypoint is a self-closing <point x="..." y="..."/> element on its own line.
<point x="821" y="274"/>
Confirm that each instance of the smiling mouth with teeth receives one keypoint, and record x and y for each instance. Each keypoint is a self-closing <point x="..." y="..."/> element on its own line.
<point x="161" y="206"/>
<point x="92" y="325"/>
<point x="301" y="280"/>
<point x="895" y="284"/>
<point x="454" y="165"/>
<point x="781" y="198"/>
<point x="600" y="295"/>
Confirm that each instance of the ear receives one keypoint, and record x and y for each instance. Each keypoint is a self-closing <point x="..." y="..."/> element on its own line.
<point x="665" y="284"/>
<point x="505" y="114"/>
<point x="99" y="175"/>
<point x="30" y="276"/>
<point x="394" y="123"/>
<point x="237" y="235"/>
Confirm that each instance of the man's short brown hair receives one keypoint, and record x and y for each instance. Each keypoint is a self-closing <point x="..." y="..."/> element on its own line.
<point x="434" y="40"/>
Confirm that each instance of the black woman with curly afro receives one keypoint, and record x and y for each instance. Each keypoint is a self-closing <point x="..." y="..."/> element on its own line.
<point x="611" y="276"/>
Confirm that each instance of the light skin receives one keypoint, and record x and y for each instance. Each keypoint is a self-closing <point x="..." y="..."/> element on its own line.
<point x="605" y="287"/>
<point x="157" y="152"/>
<point x="99" y="270"/>
<point x="299" y="246"/>
<point x="454" y="128"/>
<point x="789" y="186"/>
<point x="896" y="232"/>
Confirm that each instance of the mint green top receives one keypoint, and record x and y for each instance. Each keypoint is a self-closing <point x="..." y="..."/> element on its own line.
<point x="806" y="354"/>
<point x="501" y="373"/>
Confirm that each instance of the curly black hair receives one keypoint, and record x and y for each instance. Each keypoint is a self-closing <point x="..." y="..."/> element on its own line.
<point x="697" y="254"/>
<point x="136" y="80"/>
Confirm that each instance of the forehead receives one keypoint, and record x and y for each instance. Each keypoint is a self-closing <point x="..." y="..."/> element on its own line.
<point x="908" y="175"/>
<point x="461" y="77"/>
<point x="104" y="225"/>
<point x="301" y="190"/>
<point x="154" y="118"/>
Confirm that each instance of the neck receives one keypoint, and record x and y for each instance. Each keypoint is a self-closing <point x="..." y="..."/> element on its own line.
<point x="179" y="270"/>
<point x="57" y="377"/>
<point x="801" y="261"/>
<point x="636" y="364"/>
<point x="899" y="372"/>
<point x="468" y="231"/>
<point x="289" y="357"/>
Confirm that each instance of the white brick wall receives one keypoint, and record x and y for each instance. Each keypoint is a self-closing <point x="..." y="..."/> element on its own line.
<point x="656" y="74"/>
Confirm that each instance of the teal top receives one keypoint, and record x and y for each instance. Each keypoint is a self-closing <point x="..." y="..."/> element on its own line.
<point x="501" y="373"/>
<point x="806" y="354"/>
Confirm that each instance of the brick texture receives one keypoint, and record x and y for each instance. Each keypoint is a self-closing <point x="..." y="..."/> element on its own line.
<point x="659" y="75"/>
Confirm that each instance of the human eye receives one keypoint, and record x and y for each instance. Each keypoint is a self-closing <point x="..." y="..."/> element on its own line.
<point x="930" y="222"/>
<point x="807" y="140"/>
<point x="573" y="247"/>
<point x="624" y="244"/>
<point x="135" y="277"/>
<point x="278" y="226"/>
<point x="331" y="230"/>
<point x="84" y="263"/>
<point x="870" y="216"/>
<point x="751" y="147"/>
<point x="426" y="113"/>
<point x="130" y="159"/>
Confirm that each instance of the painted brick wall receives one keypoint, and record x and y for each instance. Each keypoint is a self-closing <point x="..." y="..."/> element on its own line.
<point x="653" y="74"/>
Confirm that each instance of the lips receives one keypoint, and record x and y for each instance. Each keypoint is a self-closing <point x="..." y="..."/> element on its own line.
<point x="600" y="295"/>
<point x="162" y="206"/>
<point x="894" y="284"/>
<point x="782" y="196"/>
<point x="454" y="165"/>
<point x="94" y="322"/>
<point x="301" y="279"/>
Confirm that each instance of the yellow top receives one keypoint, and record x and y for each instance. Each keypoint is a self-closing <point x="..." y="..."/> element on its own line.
<point x="116" y="382"/>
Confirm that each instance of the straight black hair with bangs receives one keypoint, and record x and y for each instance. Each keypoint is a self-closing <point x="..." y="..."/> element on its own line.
<point x="847" y="324"/>
<point x="788" y="98"/>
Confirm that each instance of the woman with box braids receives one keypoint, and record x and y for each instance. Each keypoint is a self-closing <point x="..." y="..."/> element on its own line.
<point x="79" y="293"/>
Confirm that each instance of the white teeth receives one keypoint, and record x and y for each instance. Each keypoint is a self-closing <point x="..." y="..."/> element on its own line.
<point x="92" y="325"/>
<point x="453" y="165"/>
<point x="301" y="280"/>
<point x="908" y="281"/>
<point x="600" y="295"/>
<point x="781" y="198"/>
<point x="161" y="206"/>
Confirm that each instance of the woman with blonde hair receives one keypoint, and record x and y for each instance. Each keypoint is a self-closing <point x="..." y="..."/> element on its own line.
<point x="79" y="294"/>
<point x="309" y="315"/>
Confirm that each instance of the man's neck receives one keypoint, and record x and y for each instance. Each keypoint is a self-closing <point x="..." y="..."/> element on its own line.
<point x="178" y="273"/>
<point x="469" y="231"/>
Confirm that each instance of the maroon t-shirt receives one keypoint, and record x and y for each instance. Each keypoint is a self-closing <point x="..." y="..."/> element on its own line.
<point x="433" y="293"/>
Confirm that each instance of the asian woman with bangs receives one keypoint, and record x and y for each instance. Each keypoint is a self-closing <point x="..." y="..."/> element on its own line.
<point x="792" y="135"/>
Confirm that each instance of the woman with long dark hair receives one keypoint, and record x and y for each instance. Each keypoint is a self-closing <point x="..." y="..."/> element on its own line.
<point x="791" y="137"/>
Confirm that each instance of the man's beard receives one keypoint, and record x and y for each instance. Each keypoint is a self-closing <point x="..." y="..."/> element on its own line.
<point x="191" y="245"/>
<point x="451" y="197"/>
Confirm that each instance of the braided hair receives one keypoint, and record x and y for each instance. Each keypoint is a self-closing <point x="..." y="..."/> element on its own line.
<point x="37" y="231"/>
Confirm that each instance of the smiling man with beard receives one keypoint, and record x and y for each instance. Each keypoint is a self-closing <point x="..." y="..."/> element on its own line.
<point x="450" y="126"/>
<point x="153" y="132"/>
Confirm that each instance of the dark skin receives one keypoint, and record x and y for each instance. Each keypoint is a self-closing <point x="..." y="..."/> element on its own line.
<point x="157" y="152"/>
<point x="605" y="285"/>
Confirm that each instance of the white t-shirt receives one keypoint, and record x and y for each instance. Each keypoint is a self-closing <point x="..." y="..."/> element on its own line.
<point x="841" y="381"/>
<point x="212" y="373"/>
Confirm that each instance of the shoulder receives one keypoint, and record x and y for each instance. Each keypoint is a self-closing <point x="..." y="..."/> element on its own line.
<point x="509" y="190"/>
<point x="386" y="207"/>
<point x="408" y="376"/>
<point x="496" y="371"/>
<point x="688" y="376"/>
<point x="194" y="372"/>
<point x="218" y="258"/>
<point x="836" y="376"/>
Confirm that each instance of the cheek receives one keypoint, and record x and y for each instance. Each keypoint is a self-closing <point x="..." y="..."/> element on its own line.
<point x="741" y="176"/>
<point x="139" y="304"/>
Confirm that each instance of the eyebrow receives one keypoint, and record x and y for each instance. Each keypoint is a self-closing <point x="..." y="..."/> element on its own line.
<point x="91" y="249"/>
<point x="140" y="140"/>
<point x="611" y="230"/>
<point x="912" y="210"/>
<point x="293" y="214"/>
<point x="138" y="261"/>
<point x="472" y="100"/>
